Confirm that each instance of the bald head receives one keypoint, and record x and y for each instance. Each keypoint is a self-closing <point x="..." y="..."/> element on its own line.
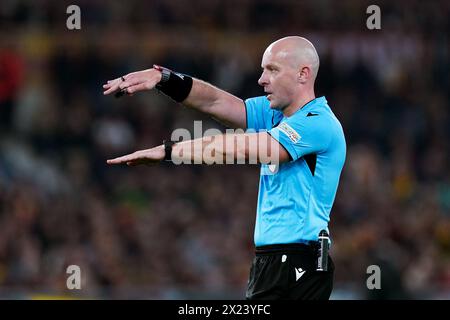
<point x="296" y="51"/>
<point x="290" y="67"/>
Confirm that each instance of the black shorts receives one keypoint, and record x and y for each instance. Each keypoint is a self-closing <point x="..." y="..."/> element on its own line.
<point x="288" y="272"/>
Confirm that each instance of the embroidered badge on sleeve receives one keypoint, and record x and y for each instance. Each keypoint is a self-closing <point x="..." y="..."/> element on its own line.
<point x="291" y="133"/>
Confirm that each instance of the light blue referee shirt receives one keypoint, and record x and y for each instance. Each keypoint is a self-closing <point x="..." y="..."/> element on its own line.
<point x="296" y="197"/>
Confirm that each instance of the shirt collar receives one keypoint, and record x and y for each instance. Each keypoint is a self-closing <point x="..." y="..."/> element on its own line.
<point x="317" y="101"/>
<point x="321" y="101"/>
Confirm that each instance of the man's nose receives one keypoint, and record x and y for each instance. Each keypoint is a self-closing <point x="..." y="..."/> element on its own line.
<point x="262" y="80"/>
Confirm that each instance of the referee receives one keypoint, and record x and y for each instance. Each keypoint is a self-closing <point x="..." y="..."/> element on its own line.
<point x="300" y="145"/>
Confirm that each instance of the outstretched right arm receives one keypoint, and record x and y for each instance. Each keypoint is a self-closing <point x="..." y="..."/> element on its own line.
<point x="219" y="104"/>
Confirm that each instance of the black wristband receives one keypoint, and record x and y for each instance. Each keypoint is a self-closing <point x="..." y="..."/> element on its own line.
<point x="175" y="85"/>
<point x="168" y="150"/>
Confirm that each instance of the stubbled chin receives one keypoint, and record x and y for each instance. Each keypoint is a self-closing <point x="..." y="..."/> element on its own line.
<point x="275" y="106"/>
<point x="272" y="102"/>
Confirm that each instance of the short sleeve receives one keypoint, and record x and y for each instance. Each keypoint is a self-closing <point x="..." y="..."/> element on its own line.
<point x="258" y="112"/>
<point x="301" y="135"/>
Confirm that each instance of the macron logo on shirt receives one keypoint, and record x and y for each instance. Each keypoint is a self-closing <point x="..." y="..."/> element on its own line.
<point x="298" y="273"/>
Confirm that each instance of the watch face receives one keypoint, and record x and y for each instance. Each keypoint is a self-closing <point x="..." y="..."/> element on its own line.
<point x="165" y="75"/>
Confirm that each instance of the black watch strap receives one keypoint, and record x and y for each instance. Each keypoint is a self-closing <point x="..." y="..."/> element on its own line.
<point x="168" y="149"/>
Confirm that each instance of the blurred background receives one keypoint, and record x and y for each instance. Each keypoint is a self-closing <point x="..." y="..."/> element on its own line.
<point x="176" y="232"/>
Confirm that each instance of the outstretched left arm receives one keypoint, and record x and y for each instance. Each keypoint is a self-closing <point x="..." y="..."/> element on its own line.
<point x="250" y="148"/>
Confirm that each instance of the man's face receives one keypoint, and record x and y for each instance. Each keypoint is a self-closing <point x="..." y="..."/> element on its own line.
<point x="278" y="78"/>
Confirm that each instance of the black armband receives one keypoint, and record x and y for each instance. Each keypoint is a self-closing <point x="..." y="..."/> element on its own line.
<point x="175" y="85"/>
<point x="168" y="149"/>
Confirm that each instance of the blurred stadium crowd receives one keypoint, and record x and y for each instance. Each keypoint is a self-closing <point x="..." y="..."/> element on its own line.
<point x="174" y="232"/>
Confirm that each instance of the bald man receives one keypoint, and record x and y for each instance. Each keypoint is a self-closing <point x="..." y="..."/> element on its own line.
<point x="298" y="142"/>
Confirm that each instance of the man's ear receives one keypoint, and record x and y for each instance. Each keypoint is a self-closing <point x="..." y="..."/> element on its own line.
<point x="304" y="74"/>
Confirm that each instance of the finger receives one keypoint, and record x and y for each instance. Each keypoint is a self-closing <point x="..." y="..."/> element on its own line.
<point x="112" y="85"/>
<point x="112" y="82"/>
<point x="138" y="155"/>
<point x="138" y="87"/>
<point x="111" y="90"/>
<point x="108" y="91"/>
<point x="137" y="161"/>
<point x="130" y="82"/>
<point x="120" y="160"/>
<point x="113" y="161"/>
<point x="109" y="83"/>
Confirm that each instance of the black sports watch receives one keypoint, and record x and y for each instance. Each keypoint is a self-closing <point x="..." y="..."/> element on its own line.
<point x="168" y="150"/>
<point x="165" y="74"/>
